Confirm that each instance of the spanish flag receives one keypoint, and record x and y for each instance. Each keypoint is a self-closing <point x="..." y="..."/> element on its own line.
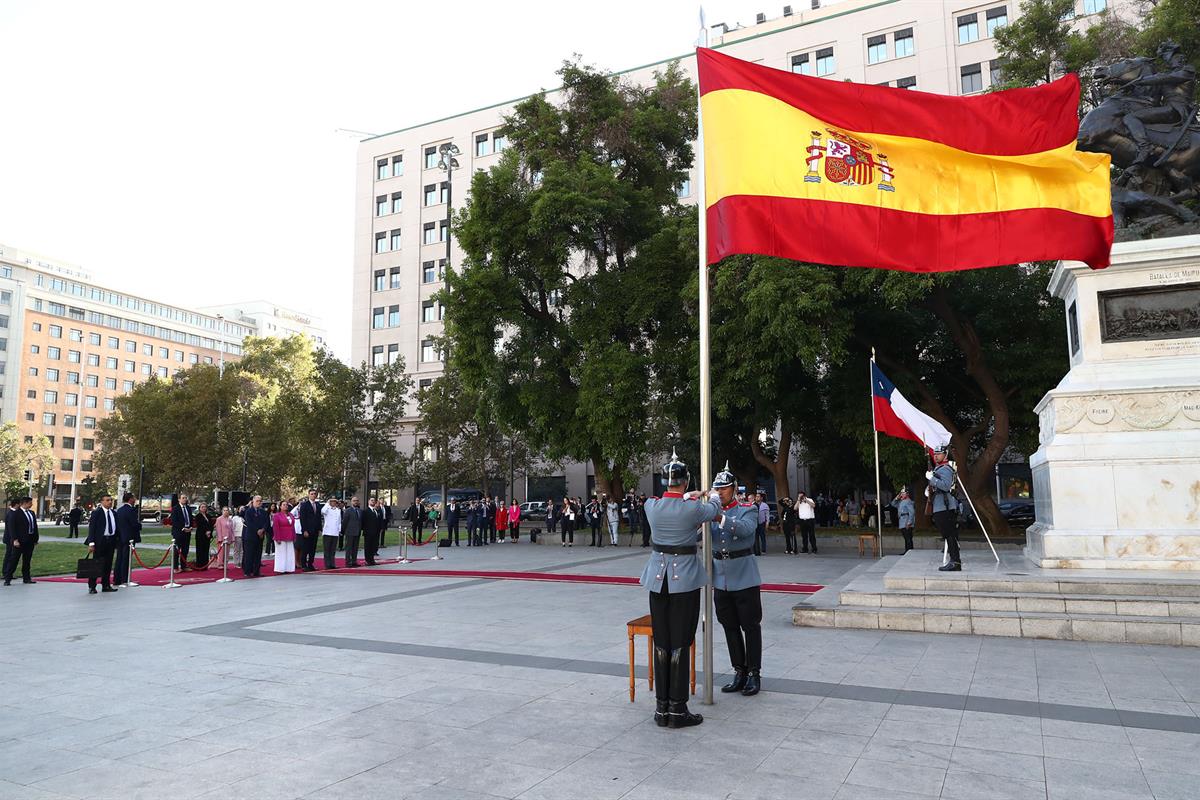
<point x="869" y="176"/>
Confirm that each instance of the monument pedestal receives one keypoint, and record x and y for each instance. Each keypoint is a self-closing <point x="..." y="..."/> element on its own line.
<point x="1117" y="474"/>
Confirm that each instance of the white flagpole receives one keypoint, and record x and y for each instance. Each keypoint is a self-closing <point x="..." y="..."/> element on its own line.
<point x="705" y="385"/>
<point x="875" y="430"/>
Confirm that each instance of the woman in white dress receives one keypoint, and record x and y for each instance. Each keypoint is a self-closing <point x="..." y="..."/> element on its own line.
<point x="284" y="529"/>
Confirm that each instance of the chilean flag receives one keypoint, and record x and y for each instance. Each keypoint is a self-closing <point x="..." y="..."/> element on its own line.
<point x="897" y="417"/>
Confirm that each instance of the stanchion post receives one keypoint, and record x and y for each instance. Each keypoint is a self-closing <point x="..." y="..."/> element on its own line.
<point x="225" y="558"/>
<point x="437" y="547"/>
<point x="403" y="559"/>
<point x="171" y="584"/>
<point x="129" y="584"/>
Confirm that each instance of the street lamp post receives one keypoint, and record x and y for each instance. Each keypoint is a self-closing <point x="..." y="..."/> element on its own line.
<point x="448" y="163"/>
<point x="78" y="430"/>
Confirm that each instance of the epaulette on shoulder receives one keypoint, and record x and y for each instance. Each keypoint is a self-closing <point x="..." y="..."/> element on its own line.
<point x="746" y="505"/>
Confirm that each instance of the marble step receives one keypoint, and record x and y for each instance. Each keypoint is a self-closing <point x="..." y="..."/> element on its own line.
<point x="915" y="574"/>
<point x="1032" y="625"/>
<point x="1119" y="605"/>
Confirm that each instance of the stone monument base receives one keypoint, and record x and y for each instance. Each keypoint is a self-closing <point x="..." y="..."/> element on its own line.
<point x="1117" y="474"/>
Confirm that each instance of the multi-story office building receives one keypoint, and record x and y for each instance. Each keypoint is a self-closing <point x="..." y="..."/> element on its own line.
<point x="401" y="205"/>
<point x="70" y="346"/>
<point x="271" y="319"/>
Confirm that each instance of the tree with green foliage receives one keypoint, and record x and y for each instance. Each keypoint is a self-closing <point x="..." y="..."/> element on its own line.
<point x="18" y="455"/>
<point x="567" y="313"/>
<point x="1172" y="20"/>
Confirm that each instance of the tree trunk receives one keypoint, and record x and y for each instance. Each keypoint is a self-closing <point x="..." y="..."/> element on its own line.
<point x="779" y="466"/>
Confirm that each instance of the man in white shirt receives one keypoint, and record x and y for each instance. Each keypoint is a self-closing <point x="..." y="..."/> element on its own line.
<point x="331" y="529"/>
<point x="102" y="541"/>
<point x="806" y="512"/>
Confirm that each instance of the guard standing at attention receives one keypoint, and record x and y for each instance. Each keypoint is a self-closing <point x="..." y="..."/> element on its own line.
<point x="737" y="585"/>
<point x="943" y="505"/>
<point x="674" y="576"/>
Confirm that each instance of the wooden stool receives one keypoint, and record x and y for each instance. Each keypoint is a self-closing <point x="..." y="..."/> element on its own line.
<point x="865" y="539"/>
<point x="641" y="627"/>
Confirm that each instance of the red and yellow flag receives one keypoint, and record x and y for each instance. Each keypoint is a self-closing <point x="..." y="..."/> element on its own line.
<point x="868" y="176"/>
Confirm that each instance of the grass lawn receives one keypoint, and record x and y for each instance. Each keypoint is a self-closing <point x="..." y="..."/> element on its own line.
<point x="55" y="558"/>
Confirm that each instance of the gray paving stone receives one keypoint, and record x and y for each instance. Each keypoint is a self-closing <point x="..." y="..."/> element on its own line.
<point x="921" y="754"/>
<point x="912" y="778"/>
<point x="961" y="785"/>
<point x="1074" y="779"/>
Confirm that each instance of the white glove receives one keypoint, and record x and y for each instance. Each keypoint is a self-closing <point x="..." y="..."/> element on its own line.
<point x="722" y="521"/>
<point x="713" y="495"/>
<point x="929" y="475"/>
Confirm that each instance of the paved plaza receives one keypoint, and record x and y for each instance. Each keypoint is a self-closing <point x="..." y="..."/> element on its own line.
<point x="389" y="686"/>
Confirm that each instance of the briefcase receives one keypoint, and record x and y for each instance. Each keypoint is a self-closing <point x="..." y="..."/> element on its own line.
<point x="89" y="568"/>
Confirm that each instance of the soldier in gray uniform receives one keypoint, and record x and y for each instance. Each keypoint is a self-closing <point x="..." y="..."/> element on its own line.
<point x="674" y="576"/>
<point x="944" y="505"/>
<point x="736" y="582"/>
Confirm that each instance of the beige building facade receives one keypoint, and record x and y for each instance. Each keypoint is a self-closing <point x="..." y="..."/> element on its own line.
<point x="401" y="199"/>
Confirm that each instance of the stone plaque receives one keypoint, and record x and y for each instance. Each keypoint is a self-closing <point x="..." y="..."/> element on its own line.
<point x="1149" y="313"/>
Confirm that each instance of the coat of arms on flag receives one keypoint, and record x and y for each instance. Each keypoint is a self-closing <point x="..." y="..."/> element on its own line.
<point x="848" y="161"/>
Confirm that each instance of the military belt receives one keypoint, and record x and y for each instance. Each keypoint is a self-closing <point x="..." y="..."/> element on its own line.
<point x="676" y="550"/>
<point x="725" y="555"/>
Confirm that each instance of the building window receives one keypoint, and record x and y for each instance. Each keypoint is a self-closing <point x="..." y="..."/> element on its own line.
<point x="428" y="272"/>
<point x="164" y="352"/>
<point x="825" y="62"/>
<point x="6" y="298"/>
<point x="394" y="278"/>
<point x="127" y="386"/>
<point x="499" y="142"/>
<point x="75" y="335"/>
<point x="393" y="316"/>
<point x="67" y="464"/>
<point x="93" y="360"/>
<point x="381" y="169"/>
<point x="33" y="371"/>
<point x="109" y="383"/>
<point x="71" y="399"/>
<point x="85" y="466"/>
<point x="381" y="205"/>
<point x="684" y="189"/>
<point x="92" y="380"/>
<point x="968" y="28"/>
<point x="996" y="72"/>
<point x="397" y="202"/>
<point x="443" y="230"/>
<point x="972" y="79"/>
<point x="52" y="375"/>
<point x="110" y="404"/>
<point x="397" y="166"/>
<point x="37" y="327"/>
<point x="428" y="311"/>
<point x="114" y="342"/>
<point x="483" y="144"/>
<point x="70" y="420"/>
<point x="35" y="349"/>
<point x="48" y="418"/>
<point x="56" y="331"/>
<point x="50" y="396"/>
<point x="147" y="349"/>
<point x="89" y="401"/>
<point x="130" y="366"/>
<point x="54" y="353"/>
<point x="431" y="157"/>
<point x="193" y="358"/>
<point x="147" y="369"/>
<point x="424" y="383"/>
<point x="907" y="83"/>
<point x="89" y="422"/>
<point x="904" y="42"/>
<point x="429" y="233"/>
<point x="68" y="442"/>
<point x="378" y="285"/>
<point x="110" y="362"/>
<point x="428" y="352"/>
<point x="74" y="356"/>
<point x="876" y="49"/>
<point x="377" y="317"/>
<point x="395" y="239"/>
<point x="393" y="353"/>
<point x="94" y="339"/>
<point x="1094" y="6"/>
<point x="377" y="355"/>
<point x="31" y="394"/>
<point x="130" y="346"/>
<point x="996" y="18"/>
<point x="89" y="444"/>
<point x="30" y="416"/>
<point x="801" y="64"/>
<point x="162" y="372"/>
<point x="381" y="242"/>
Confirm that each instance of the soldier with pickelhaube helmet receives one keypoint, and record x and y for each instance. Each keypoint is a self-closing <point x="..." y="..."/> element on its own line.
<point x="943" y="505"/>
<point x="737" y="585"/>
<point x="674" y="576"/>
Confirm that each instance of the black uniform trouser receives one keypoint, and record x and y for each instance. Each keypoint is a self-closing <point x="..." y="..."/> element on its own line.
<point x="808" y="535"/>
<point x="633" y="532"/>
<point x="789" y="537"/>
<point x="740" y="614"/>
<point x="760" y="540"/>
<point x="947" y="525"/>
<point x="104" y="552"/>
<point x="907" y="533"/>
<point x="202" y="542"/>
<point x="309" y="551"/>
<point x="121" y="562"/>
<point x="452" y="532"/>
<point x="645" y="535"/>
<point x="252" y="547"/>
<point x="330" y="550"/>
<point x="23" y="554"/>
<point x="183" y="542"/>
<point x="673" y="620"/>
<point x="74" y="532"/>
<point x="370" y="546"/>
<point x="568" y="531"/>
<point x="596" y="540"/>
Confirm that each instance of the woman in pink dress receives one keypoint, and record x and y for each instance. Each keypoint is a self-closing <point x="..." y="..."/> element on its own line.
<point x="285" y="533"/>
<point x="514" y="520"/>
<point x="224" y="527"/>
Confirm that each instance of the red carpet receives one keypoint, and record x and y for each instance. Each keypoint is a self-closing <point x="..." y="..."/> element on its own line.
<point x="161" y="575"/>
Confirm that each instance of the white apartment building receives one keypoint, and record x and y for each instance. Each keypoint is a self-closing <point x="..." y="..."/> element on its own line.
<point x="401" y="198"/>
<point x="272" y="319"/>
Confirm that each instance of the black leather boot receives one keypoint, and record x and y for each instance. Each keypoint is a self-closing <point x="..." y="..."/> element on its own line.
<point x="678" y="714"/>
<point x="661" y="713"/>
<point x="953" y="566"/>
<point x="738" y="683"/>
<point x="662" y="684"/>
<point x="753" y="684"/>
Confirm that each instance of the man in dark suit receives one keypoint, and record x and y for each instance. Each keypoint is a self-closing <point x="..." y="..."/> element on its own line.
<point x="452" y="521"/>
<point x="387" y="523"/>
<point x="310" y="530"/>
<point x="254" y="532"/>
<point x="20" y="538"/>
<point x="373" y="523"/>
<point x="181" y="532"/>
<point x="102" y="541"/>
<point x="129" y="531"/>
<point x="352" y="526"/>
<point x="74" y="518"/>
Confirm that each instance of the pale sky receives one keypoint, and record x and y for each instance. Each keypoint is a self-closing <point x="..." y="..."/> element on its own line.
<point x="188" y="150"/>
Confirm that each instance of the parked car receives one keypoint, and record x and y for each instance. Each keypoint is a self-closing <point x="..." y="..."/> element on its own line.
<point x="461" y="495"/>
<point x="533" y="509"/>
<point x="1018" y="512"/>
